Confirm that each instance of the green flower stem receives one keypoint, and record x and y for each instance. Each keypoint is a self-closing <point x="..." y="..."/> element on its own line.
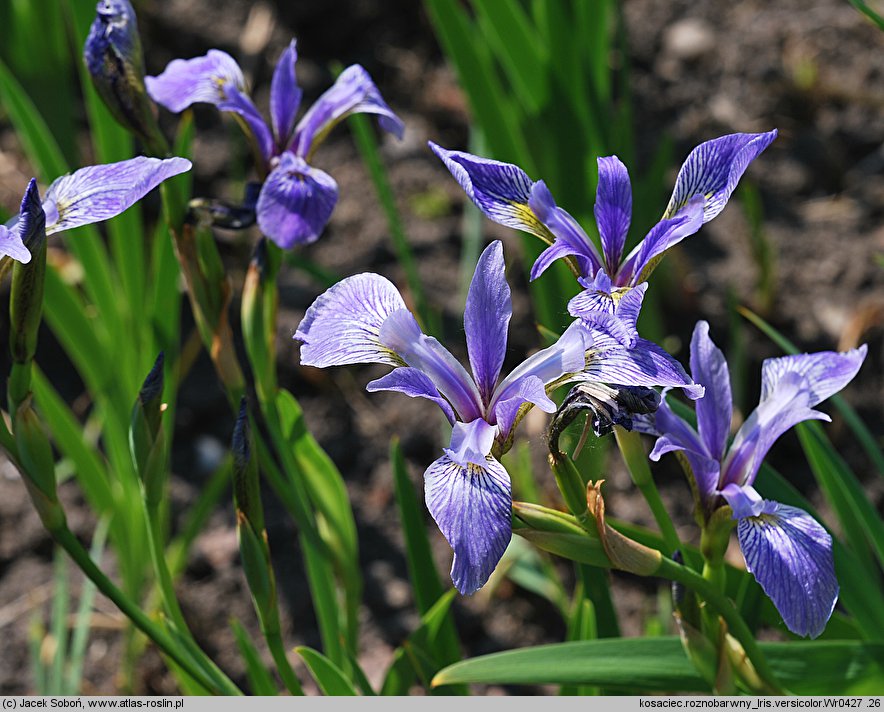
<point x="737" y="627"/>
<point x="65" y="538"/>
<point x="637" y="463"/>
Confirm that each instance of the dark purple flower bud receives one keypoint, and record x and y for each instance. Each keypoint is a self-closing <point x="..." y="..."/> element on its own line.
<point x="115" y="62"/>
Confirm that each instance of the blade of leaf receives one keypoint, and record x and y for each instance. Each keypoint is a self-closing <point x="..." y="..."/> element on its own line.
<point x="328" y="676"/>
<point x="260" y="680"/>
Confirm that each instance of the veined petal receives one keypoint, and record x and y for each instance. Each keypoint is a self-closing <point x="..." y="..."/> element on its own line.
<point x="237" y="101"/>
<point x="646" y="364"/>
<point x="97" y="193"/>
<point x="825" y="373"/>
<point x="500" y="190"/>
<point x="353" y="93"/>
<point x="296" y="202"/>
<point x="471" y="443"/>
<point x="713" y="169"/>
<point x="285" y="96"/>
<point x="569" y="236"/>
<point x="564" y="357"/>
<point x="487" y="317"/>
<point x="715" y="408"/>
<point x="198" y="80"/>
<point x="613" y="209"/>
<point x="415" y="384"/>
<point x="401" y="333"/>
<point x="790" y="555"/>
<point x="645" y="257"/>
<point x="785" y="407"/>
<point x="472" y="506"/>
<point x="343" y="325"/>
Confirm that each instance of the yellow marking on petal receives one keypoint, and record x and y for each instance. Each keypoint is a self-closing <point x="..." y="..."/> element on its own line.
<point x="531" y="223"/>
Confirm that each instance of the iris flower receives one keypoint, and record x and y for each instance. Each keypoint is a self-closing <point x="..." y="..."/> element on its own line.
<point x="506" y="194"/>
<point x="92" y="194"/>
<point x="788" y="552"/>
<point x="296" y="199"/>
<point x="363" y="319"/>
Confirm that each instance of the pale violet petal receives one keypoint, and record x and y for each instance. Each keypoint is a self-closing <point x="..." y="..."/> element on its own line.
<point x="413" y="383"/>
<point x="472" y="507"/>
<point x="295" y="202"/>
<point x="97" y="193"/>
<point x="825" y="372"/>
<point x="790" y="555"/>
<point x="343" y="325"/>
<point x="471" y="443"/>
<point x="198" y="80"/>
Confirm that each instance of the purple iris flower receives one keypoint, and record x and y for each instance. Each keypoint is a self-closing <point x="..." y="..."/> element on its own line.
<point x="363" y="319"/>
<point x="296" y="200"/>
<point x="788" y="552"/>
<point x="506" y="194"/>
<point x="92" y="194"/>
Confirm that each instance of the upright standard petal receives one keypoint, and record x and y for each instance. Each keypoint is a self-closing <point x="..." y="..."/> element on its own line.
<point x="415" y="384"/>
<point x="715" y="408"/>
<point x="401" y="333"/>
<point x="790" y="555"/>
<point x="353" y="93"/>
<point x="613" y="209"/>
<point x="285" y="96"/>
<point x="97" y="193"/>
<point x="25" y="233"/>
<point x="296" y="202"/>
<point x="825" y="373"/>
<point x="343" y="325"/>
<point x="472" y="506"/>
<point x="198" y="80"/>
<point x="645" y="257"/>
<point x="713" y="169"/>
<point x="785" y="407"/>
<point x="570" y="239"/>
<point x="487" y="317"/>
<point x="645" y="364"/>
<point x="500" y="190"/>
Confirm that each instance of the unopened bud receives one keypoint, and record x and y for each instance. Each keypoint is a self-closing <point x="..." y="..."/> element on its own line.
<point x="559" y="534"/>
<point x="26" y="298"/>
<point x="115" y="62"/>
<point x="570" y="483"/>
<point x="37" y="464"/>
<point x="246" y="487"/>
<point x="624" y="553"/>
<point x="146" y="439"/>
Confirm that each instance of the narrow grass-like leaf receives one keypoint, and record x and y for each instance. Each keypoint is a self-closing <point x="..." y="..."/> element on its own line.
<point x="328" y="676"/>
<point x="659" y="664"/>
<point x="516" y="45"/>
<point x="59" y="622"/>
<point x="260" y="679"/>
<point x="859" y="519"/>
